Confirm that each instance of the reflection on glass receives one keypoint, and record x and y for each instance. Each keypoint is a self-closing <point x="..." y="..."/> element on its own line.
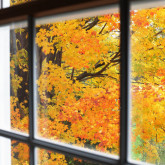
<point x="14" y="77"/>
<point x="78" y="81"/>
<point x="46" y="157"/>
<point x="148" y="83"/>
<point x="13" y="152"/>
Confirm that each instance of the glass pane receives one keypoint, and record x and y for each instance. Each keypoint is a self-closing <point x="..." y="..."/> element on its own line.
<point x="46" y="157"/>
<point x="14" y="77"/>
<point x="148" y="82"/>
<point x="8" y="3"/>
<point x="13" y="152"/>
<point x="77" y="80"/>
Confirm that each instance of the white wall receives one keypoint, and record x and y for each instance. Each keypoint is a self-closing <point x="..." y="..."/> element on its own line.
<point x="5" y="77"/>
<point x="5" y="151"/>
<point x="6" y="3"/>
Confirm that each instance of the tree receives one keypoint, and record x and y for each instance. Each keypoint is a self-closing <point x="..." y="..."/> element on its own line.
<point x="78" y="83"/>
<point x="148" y="91"/>
<point x="75" y="88"/>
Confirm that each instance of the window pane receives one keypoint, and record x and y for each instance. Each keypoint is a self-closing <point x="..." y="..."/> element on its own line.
<point x="148" y="82"/>
<point x="13" y="152"/>
<point x="14" y="77"/>
<point x="46" y="157"/>
<point x="77" y="80"/>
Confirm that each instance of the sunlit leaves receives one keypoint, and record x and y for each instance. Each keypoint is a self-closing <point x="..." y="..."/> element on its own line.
<point x="19" y="153"/>
<point x="78" y="83"/>
<point x="17" y="2"/>
<point x="148" y="92"/>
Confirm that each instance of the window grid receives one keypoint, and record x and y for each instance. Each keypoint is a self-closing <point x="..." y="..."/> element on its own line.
<point x="124" y="95"/>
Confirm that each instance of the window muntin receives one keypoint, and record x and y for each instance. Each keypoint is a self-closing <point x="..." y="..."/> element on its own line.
<point x="49" y="157"/>
<point x="14" y="86"/>
<point x="147" y="83"/>
<point x="77" y="81"/>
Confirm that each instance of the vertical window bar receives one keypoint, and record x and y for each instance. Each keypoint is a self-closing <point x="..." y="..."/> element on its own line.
<point x="32" y="156"/>
<point x="30" y="58"/>
<point x="124" y="76"/>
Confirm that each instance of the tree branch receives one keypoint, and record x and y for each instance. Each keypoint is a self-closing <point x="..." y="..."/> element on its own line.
<point x="92" y="24"/>
<point x="102" y="28"/>
<point x="98" y="64"/>
<point x="101" y="75"/>
<point x="159" y="32"/>
<point x="72" y="74"/>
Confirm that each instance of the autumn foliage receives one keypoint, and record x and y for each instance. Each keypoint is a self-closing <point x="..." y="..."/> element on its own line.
<point x="19" y="153"/>
<point x="78" y="84"/>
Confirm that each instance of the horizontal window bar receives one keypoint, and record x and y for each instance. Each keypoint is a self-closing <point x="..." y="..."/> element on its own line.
<point x="48" y="7"/>
<point x="15" y="136"/>
<point x="73" y="152"/>
<point x="59" y="148"/>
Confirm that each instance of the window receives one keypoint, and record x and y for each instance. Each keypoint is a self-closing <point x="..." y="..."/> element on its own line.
<point x="147" y="83"/>
<point x="78" y="80"/>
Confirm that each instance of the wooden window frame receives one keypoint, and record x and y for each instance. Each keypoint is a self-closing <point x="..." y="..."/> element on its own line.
<point x="31" y="10"/>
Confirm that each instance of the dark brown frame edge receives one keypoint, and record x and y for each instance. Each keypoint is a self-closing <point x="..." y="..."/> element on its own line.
<point x="48" y="7"/>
